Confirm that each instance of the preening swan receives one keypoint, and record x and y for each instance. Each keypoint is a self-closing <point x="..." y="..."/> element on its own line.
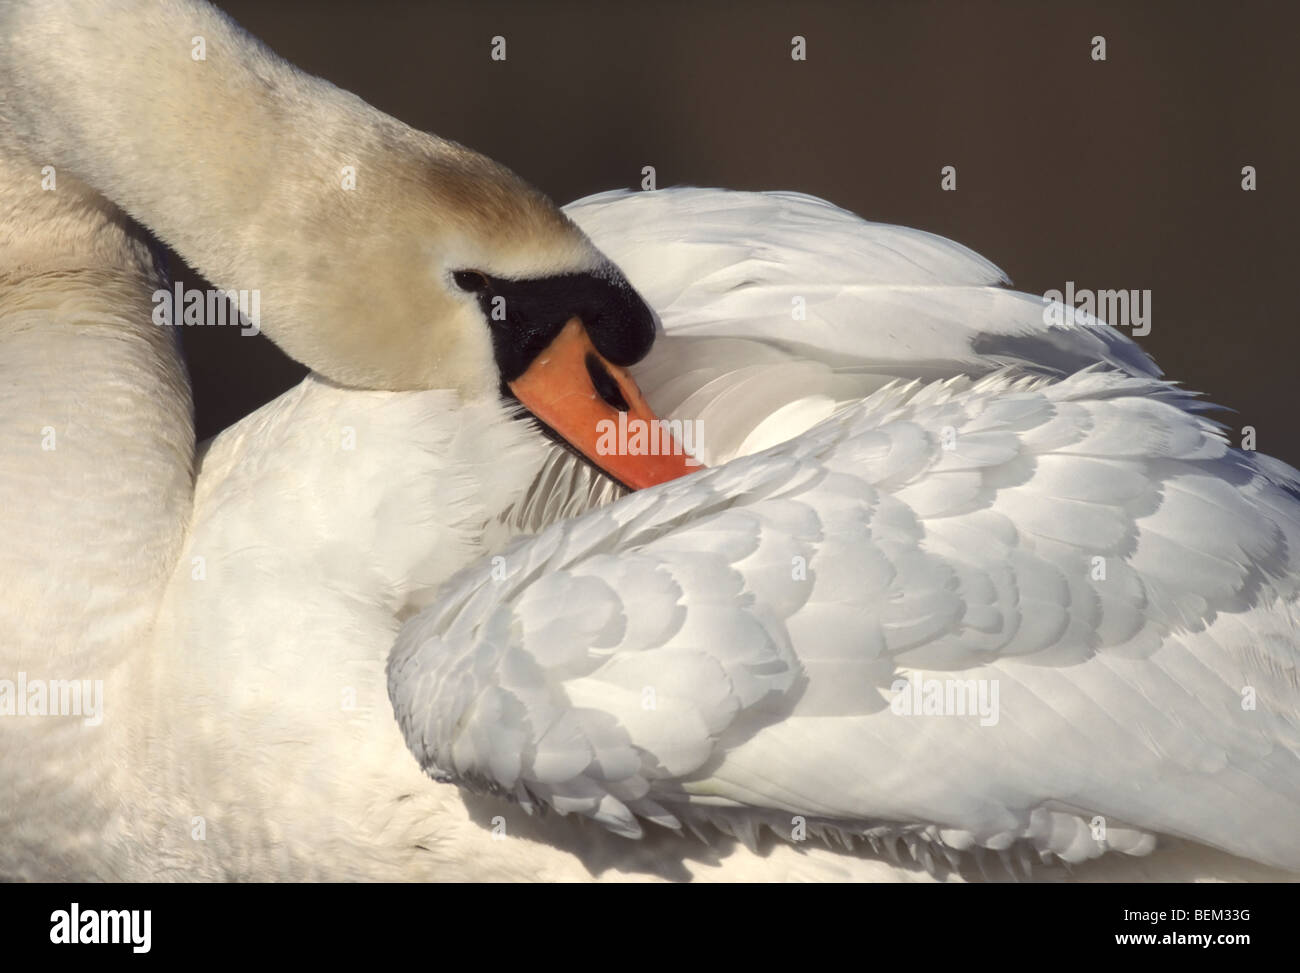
<point x="388" y="574"/>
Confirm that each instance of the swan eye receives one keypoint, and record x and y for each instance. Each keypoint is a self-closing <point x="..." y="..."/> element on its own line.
<point x="470" y="280"/>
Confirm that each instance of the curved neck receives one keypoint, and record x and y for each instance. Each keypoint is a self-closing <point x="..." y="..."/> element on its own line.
<point x="340" y="224"/>
<point x="183" y="120"/>
<point x="268" y="181"/>
<point x="95" y="497"/>
<point x="95" y="426"/>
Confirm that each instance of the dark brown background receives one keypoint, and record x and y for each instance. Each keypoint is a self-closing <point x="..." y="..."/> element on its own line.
<point x="1122" y="174"/>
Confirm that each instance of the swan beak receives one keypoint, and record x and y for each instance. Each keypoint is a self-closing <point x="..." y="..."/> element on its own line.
<point x="576" y="391"/>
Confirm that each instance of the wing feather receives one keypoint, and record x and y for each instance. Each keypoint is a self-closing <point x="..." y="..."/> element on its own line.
<point x="923" y="485"/>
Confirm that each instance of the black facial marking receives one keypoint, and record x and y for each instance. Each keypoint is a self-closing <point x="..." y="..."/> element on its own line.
<point x="526" y="315"/>
<point x="604" y="383"/>
<point x="470" y="280"/>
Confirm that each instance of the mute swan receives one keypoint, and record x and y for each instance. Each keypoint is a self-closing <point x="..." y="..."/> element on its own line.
<point x="248" y="730"/>
<point x="1051" y="522"/>
<point x="474" y="282"/>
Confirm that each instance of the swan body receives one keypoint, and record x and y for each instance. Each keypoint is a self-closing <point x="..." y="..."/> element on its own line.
<point x="757" y="600"/>
<point x="385" y="571"/>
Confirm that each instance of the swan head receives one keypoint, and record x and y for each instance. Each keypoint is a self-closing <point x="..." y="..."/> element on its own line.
<point x="451" y="272"/>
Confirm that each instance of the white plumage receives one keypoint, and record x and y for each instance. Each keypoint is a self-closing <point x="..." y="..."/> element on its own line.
<point x="914" y="476"/>
<point x="723" y="647"/>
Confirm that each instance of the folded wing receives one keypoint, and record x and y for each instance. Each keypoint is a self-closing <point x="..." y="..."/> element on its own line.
<point x="1001" y="608"/>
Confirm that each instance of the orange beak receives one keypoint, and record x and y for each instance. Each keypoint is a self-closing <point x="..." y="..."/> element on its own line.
<point x="598" y="409"/>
